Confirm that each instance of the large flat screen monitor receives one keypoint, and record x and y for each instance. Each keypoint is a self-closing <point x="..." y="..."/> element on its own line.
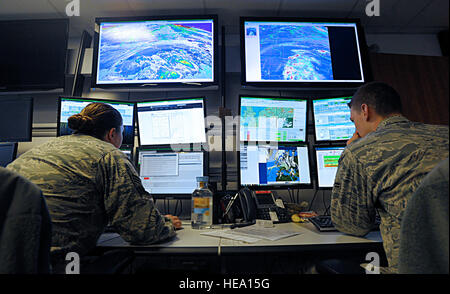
<point x="279" y="166"/>
<point x="33" y="54"/>
<point x="299" y="52"/>
<point x="168" y="173"/>
<point x="327" y="159"/>
<point x="155" y="51"/>
<point x="69" y="106"/>
<point x="272" y="119"/>
<point x="332" y="119"/>
<point x="170" y="122"/>
<point x="8" y="152"/>
<point x="16" y="119"/>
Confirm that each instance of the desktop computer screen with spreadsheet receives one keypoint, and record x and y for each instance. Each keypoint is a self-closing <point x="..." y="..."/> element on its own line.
<point x="174" y="121"/>
<point x="273" y="119"/>
<point x="332" y="119"/>
<point x="170" y="173"/>
<point x="327" y="159"/>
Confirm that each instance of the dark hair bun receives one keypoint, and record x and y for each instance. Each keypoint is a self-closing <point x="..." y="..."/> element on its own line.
<point x="81" y="123"/>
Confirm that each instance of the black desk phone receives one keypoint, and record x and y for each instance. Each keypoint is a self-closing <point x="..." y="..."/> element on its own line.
<point x="261" y="205"/>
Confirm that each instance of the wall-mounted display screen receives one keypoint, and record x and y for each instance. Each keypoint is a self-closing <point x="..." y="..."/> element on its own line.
<point x="33" y="54"/>
<point x="290" y="51"/>
<point x="145" y="52"/>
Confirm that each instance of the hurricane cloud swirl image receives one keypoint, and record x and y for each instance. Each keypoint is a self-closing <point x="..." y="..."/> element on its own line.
<point x="155" y="52"/>
<point x="295" y="53"/>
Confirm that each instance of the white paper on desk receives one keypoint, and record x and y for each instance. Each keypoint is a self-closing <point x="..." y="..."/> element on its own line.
<point x="272" y="234"/>
<point x="229" y="234"/>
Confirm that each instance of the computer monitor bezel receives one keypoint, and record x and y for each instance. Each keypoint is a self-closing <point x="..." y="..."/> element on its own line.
<point x="99" y="20"/>
<point x="164" y="149"/>
<point x="281" y="186"/>
<point x="363" y="49"/>
<point x="14" y="149"/>
<point x="181" y="145"/>
<point x="316" y="174"/>
<point x="29" y="134"/>
<point x="277" y="98"/>
<point x="326" y="142"/>
<point x="58" y="126"/>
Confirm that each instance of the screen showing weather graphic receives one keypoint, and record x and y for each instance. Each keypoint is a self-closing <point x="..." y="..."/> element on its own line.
<point x="273" y="119"/>
<point x="270" y="165"/>
<point x="282" y="51"/>
<point x="155" y="51"/>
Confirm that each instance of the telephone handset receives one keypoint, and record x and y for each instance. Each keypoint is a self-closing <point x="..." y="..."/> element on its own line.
<point x="261" y="205"/>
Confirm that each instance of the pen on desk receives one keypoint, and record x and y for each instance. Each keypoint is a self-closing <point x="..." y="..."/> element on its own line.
<point x="240" y="225"/>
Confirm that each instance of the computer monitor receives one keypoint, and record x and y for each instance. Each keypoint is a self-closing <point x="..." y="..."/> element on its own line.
<point x="299" y="52"/>
<point x="274" y="119"/>
<point x="69" y="106"/>
<point x="16" y="119"/>
<point x="327" y="160"/>
<point x="8" y="152"/>
<point x="33" y="54"/>
<point x="276" y="166"/>
<point x="170" y="122"/>
<point x="155" y="51"/>
<point x="167" y="173"/>
<point x="332" y="119"/>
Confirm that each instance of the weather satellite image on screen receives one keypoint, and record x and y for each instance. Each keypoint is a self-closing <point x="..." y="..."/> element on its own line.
<point x="155" y="51"/>
<point x="251" y="114"/>
<point x="282" y="165"/>
<point x="295" y="53"/>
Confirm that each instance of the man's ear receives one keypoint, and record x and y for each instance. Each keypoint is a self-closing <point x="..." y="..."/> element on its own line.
<point x="365" y="111"/>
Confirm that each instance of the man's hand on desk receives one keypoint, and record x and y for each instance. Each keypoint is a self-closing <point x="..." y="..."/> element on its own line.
<point x="175" y="221"/>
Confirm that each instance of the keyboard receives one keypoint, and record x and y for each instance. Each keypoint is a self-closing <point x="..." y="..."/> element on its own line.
<point x="264" y="213"/>
<point x="324" y="224"/>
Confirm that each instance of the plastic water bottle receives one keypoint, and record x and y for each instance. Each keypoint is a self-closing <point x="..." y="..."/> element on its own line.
<point x="202" y="204"/>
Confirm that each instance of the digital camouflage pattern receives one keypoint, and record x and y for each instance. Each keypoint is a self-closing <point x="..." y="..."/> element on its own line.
<point x="380" y="172"/>
<point x="88" y="183"/>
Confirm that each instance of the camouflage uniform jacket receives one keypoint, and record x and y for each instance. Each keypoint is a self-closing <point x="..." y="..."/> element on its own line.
<point x="87" y="184"/>
<point x="380" y="172"/>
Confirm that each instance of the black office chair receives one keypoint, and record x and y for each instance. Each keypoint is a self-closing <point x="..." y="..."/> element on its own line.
<point x="25" y="226"/>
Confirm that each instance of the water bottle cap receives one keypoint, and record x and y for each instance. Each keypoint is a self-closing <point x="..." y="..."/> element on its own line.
<point x="202" y="179"/>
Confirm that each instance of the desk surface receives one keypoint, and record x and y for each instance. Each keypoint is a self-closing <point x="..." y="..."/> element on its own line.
<point x="189" y="240"/>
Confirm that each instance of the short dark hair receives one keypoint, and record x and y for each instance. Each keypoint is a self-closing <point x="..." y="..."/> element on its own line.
<point x="96" y="119"/>
<point x="382" y="97"/>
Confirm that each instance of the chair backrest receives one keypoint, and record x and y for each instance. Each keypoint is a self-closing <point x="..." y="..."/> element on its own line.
<point x="25" y="226"/>
<point x="425" y="228"/>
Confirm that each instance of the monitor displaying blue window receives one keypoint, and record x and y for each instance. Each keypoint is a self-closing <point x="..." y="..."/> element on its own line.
<point x="170" y="173"/>
<point x="332" y="119"/>
<point x="138" y="51"/>
<point x="69" y="106"/>
<point x="290" y="50"/>
<point x="271" y="119"/>
<point x="327" y="160"/>
<point x="175" y="121"/>
<point x="274" y="166"/>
